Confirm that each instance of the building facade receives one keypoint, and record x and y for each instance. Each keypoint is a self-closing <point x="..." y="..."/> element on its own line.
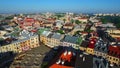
<point x="91" y="46"/>
<point x="114" y="54"/>
<point x="101" y="48"/>
<point x="100" y="63"/>
<point x="70" y="41"/>
<point x="24" y="43"/>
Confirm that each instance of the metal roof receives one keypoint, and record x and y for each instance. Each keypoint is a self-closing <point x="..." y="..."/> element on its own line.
<point x="71" y="39"/>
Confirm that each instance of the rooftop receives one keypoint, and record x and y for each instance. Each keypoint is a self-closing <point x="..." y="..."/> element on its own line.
<point x="57" y="36"/>
<point x="46" y="33"/>
<point x="114" y="51"/>
<point x="65" y="59"/>
<point x="68" y="24"/>
<point x="84" y="43"/>
<point x="100" y="62"/>
<point x="84" y="61"/>
<point x="71" y="39"/>
<point x="23" y="35"/>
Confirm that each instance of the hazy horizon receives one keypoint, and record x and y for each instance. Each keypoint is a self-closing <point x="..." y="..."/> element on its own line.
<point x="76" y="6"/>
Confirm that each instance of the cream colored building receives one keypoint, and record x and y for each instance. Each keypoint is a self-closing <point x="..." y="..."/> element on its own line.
<point x="10" y="47"/>
<point x="22" y="44"/>
<point x="48" y="24"/>
<point x="54" y="39"/>
<point x="43" y="37"/>
<point x="113" y="31"/>
<point x="34" y="41"/>
<point x="113" y="60"/>
<point x="97" y="53"/>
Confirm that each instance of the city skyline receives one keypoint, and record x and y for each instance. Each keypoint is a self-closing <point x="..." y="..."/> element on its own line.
<point x="81" y="6"/>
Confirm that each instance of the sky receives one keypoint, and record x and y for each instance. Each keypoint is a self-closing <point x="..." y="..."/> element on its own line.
<point x="81" y="6"/>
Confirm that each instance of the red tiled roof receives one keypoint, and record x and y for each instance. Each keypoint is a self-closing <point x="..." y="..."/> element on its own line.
<point x="82" y="18"/>
<point x="92" y="43"/>
<point x="68" y="24"/>
<point x="50" y="19"/>
<point x="84" y="32"/>
<point x="33" y="30"/>
<point x="47" y="23"/>
<point x="29" y="20"/>
<point x="114" y="49"/>
<point x="55" y="28"/>
<point x="63" y="55"/>
<point x="117" y="38"/>
<point x="66" y="57"/>
<point x="59" y="66"/>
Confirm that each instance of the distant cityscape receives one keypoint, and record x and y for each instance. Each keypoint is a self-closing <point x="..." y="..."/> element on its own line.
<point x="60" y="40"/>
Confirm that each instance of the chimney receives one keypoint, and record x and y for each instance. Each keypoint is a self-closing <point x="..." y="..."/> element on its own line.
<point x="58" y="61"/>
<point x="83" y="58"/>
<point x="63" y="62"/>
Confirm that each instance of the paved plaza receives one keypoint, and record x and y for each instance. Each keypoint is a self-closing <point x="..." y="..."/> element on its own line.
<point x="31" y="59"/>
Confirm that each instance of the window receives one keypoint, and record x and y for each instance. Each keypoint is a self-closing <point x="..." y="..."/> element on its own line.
<point x="116" y="59"/>
<point x="110" y="57"/>
<point x="113" y="58"/>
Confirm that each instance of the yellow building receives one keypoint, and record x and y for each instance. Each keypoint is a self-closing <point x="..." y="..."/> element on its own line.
<point x="54" y="39"/>
<point x="90" y="51"/>
<point x="43" y="37"/>
<point x="33" y="42"/>
<point x="97" y="53"/>
<point x="10" y="47"/>
<point x="113" y="60"/>
<point x="3" y="49"/>
<point x="91" y="46"/>
<point x="22" y="44"/>
<point x="114" y="33"/>
<point x="114" y="54"/>
<point x="83" y="48"/>
<point x="30" y="42"/>
<point x="84" y="45"/>
<point x="14" y="47"/>
<point x="18" y="48"/>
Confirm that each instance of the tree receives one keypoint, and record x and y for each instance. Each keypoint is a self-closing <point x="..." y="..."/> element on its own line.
<point x="1" y="39"/>
<point x="64" y="20"/>
<point x="88" y="30"/>
<point x="16" y="29"/>
<point x="60" y="31"/>
<point x="79" y="41"/>
<point x="112" y="19"/>
<point x="15" y="34"/>
<point x="77" y="21"/>
<point x="59" y="15"/>
<point x="77" y="33"/>
<point x="72" y="21"/>
<point x="9" y="17"/>
<point x="118" y="25"/>
<point x="40" y="31"/>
